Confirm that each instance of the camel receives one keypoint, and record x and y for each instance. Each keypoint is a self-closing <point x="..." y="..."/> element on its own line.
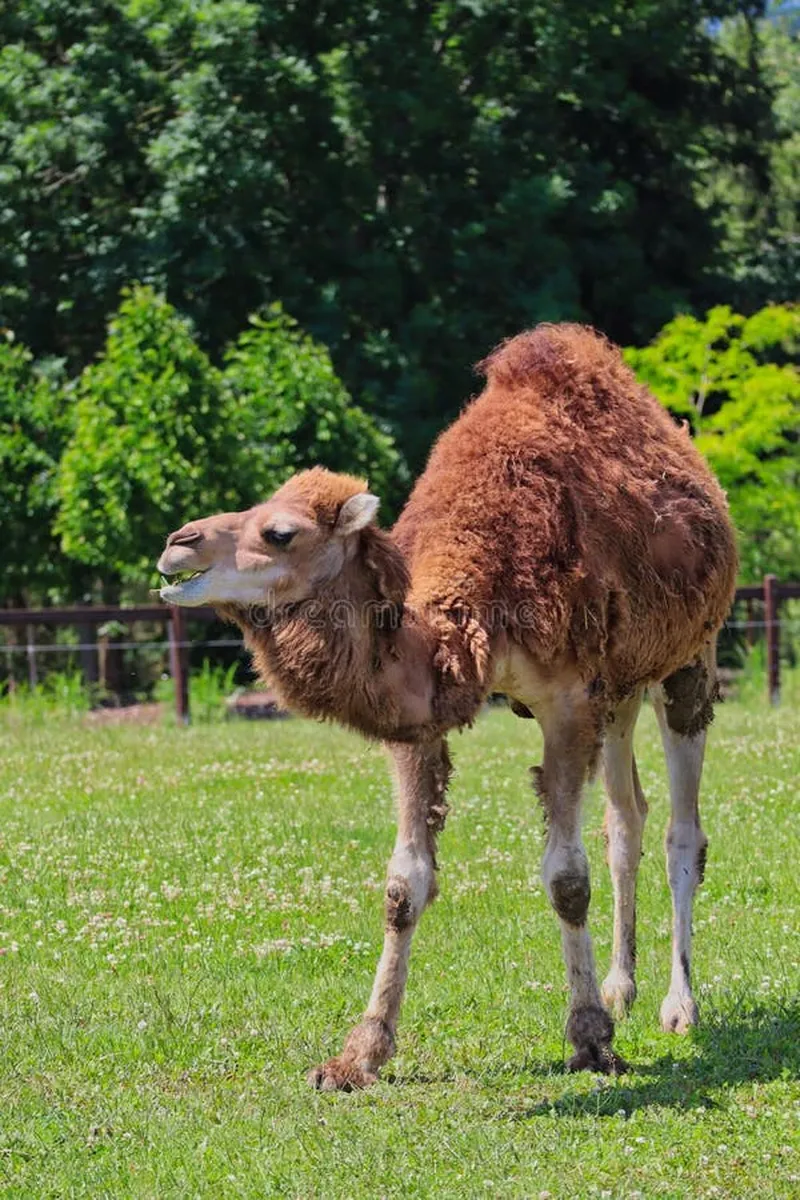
<point x="566" y="546"/>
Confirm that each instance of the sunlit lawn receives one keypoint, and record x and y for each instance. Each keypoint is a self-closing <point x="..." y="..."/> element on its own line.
<point x="189" y="920"/>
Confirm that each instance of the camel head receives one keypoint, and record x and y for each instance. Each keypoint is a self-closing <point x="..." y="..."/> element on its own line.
<point x="316" y="531"/>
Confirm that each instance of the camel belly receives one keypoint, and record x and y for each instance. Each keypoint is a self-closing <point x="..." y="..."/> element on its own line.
<point x="521" y="678"/>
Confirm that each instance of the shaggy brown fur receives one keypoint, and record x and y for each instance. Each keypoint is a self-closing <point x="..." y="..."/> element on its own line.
<point x="567" y="492"/>
<point x="566" y="545"/>
<point x="622" y="565"/>
<point x="335" y="656"/>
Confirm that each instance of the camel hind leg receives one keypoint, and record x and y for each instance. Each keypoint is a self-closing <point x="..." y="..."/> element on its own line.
<point x="626" y="811"/>
<point x="684" y="708"/>
<point x="570" y="748"/>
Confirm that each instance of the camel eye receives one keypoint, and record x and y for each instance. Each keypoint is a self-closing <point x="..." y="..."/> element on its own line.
<point x="278" y="537"/>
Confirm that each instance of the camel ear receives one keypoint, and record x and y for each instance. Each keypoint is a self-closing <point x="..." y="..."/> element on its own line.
<point x="356" y="513"/>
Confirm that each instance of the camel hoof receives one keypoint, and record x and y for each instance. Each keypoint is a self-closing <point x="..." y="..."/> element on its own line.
<point x="338" y="1076"/>
<point x="590" y="1029"/>
<point x="600" y="1059"/>
<point x="679" y="1014"/>
<point x="618" y="993"/>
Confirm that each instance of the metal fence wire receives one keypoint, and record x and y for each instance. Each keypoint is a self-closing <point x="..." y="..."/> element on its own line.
<point x="770" y="625"/>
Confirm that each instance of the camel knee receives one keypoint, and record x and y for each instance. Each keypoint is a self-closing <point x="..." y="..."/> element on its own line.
<point x="566" y="878"/>
<point x="570" y="894"/>
<point x="410" y="887"/>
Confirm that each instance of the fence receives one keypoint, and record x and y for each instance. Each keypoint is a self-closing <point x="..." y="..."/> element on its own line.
<point x="94" y="616"/>
<point x="770" y="594"/>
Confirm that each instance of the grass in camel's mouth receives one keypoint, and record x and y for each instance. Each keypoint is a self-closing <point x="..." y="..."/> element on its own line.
<point x="181" y="577"/>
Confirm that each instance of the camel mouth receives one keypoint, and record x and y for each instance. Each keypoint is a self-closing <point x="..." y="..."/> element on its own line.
<point x="171" y="578"/>
<point x="183" y="586"/>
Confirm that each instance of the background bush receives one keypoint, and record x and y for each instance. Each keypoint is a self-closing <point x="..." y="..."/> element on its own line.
<point x="159" y="435"/>
<point x="735" y="380"/>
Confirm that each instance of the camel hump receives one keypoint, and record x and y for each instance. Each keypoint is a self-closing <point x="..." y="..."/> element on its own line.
<point x="564" y="362"/>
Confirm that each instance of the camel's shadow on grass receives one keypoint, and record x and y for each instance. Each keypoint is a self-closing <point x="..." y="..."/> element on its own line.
<point x="757" y="1043"/>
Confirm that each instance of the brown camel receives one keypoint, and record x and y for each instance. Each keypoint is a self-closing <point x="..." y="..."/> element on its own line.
<point x="566" y="546"/>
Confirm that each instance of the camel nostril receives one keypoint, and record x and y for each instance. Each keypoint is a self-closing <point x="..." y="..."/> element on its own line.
<point x="184" y="537"/>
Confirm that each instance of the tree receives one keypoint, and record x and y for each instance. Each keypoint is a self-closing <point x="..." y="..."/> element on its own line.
<point x="161" y="434"/>
<point x="33" y="429"/>
<point x="82" y="94"/>
<point x="152" y="442"/>
<point x="291" y="411"/>
<point x="412" y="181"/>
<point x="735" y="380"/>
<point x="758" y="198"/>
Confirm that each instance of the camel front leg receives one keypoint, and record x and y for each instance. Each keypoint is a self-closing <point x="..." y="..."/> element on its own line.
<point x="422" y="772"/>
<point x="569" y="747"/>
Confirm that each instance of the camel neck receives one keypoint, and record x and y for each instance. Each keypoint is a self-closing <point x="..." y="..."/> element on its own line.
<point x="395" y="675"/>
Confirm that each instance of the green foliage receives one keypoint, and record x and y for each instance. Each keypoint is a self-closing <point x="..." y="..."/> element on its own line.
<point x="161" y="435"/>
<point x="209" y="688"/>
<point x="80" y="98"/>
<point x="290" y="411"/>
<point x="152" y="442"/>
<point x="758" y="198"/>
<point x="63" y="695"/>
<point x="33" y="429"/>
<point x="736" y="380"/>
<point x="413" y="182"/>
<point x="750" y="687"/>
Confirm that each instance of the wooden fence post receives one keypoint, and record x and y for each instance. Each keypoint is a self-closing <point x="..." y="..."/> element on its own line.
<point x="179" y="664"/>
<point x="30" y="638"/>
<point x="89" y="654"/>
<point x="772" y="620"/>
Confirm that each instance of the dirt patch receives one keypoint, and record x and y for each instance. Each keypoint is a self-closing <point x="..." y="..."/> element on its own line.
<point x="129" y="714"/>
<point x="256" y="706"/>
<point x="702" y="855"/>
<point x="570" y="895"/>
<point x="398" y="905"/>
<point x="690" y="698"/>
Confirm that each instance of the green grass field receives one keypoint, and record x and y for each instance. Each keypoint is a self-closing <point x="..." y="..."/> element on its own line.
<point x="190" y="919"/>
